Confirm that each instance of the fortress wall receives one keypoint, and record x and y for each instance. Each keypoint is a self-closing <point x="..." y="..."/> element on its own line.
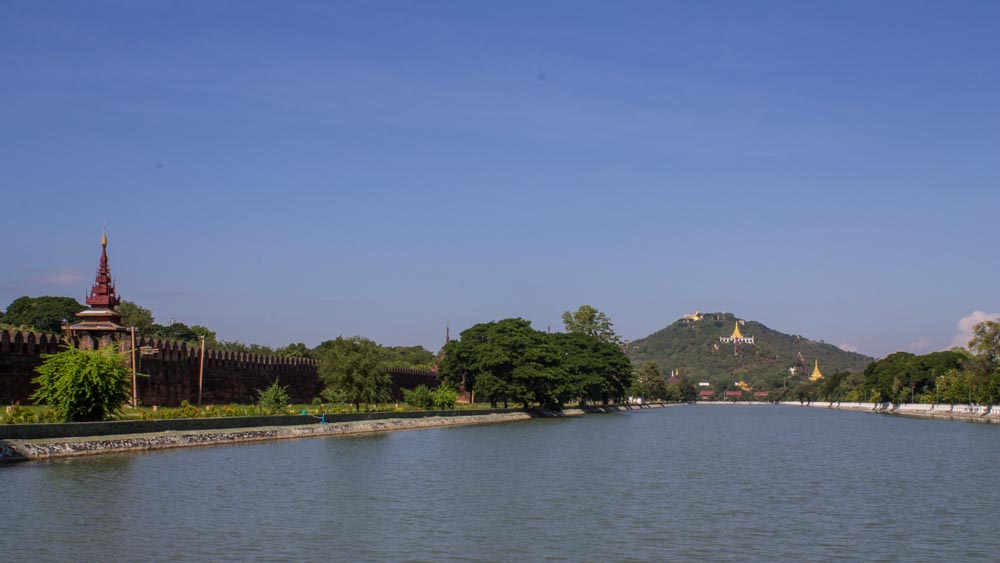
<point x="20" y="353"/>
<point x="171" y="375"/>
<point x="171" y="371"/>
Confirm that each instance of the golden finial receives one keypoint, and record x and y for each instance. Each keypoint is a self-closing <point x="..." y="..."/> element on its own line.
<point x="736" y="331"/>
<point x="104" y="239"/>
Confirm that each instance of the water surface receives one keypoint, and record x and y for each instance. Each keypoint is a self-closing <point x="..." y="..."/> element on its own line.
<point x="694" y="483"/>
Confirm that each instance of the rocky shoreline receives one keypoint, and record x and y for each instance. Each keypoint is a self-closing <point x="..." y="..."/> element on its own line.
<point x="51" y="448"/>
<point x="25" y="450"/>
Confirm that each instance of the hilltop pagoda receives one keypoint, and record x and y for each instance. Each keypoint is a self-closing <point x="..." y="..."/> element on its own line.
<point x="99" y="320"/>
<point x="736" y="339"/>
<point x="816" y="374"/>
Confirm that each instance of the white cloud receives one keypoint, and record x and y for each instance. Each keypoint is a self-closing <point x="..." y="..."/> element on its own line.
<point x="965" y="327"/>
<point x="848" y="347"/>
<point x="918" y="345"/>
<point x="63" y="277"/>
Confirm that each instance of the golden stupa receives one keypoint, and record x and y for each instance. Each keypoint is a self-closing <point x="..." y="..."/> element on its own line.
<point x="816" y="374"/>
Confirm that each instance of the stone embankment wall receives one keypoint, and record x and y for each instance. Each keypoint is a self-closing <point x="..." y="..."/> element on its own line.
<point x="42" y="441"/>
<point x="14" y="450"/>
<point x="982" y="413"/>
<point x="171" y="371"/>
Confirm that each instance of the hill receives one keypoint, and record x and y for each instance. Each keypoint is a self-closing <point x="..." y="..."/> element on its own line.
<point x="692" y="346"/>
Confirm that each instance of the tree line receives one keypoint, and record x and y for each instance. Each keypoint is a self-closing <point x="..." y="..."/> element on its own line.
<point x="959" y="375"/>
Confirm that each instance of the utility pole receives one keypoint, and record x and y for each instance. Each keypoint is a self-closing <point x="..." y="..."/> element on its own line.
<point x="135" y="402"/>
<point x="201" y="369"/>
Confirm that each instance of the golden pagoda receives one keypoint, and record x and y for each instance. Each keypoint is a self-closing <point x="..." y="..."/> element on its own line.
<point x="736" y="339"/>
<point x="816" y="374"/>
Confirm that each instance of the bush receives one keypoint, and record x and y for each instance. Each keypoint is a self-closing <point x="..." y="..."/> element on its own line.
<point x="18" y="415"/>
<point x="420" y="397"/>
<point x="274" y="399"/>
<point x="445" y="398"/>
<point x="83" y="385"/>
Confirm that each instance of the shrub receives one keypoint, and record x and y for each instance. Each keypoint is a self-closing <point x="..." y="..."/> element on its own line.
<point x="18" y="415"/>
<point x="83" y="385"/>
<point x="445" y="398"/>
<point x="274" y="399"/>
<point x="420" y="397"/>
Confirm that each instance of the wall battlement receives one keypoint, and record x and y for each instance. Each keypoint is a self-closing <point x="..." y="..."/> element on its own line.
<point x="25" y="343"/>
<point x="170" y="371"/>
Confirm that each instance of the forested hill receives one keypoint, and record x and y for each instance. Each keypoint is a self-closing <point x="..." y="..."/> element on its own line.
<point x="693" y="347"/>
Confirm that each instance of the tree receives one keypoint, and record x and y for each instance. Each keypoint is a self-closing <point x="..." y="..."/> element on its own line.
<point x="984" y="377"/>
<point x="45" y="314"/>
<point x="495" y="351"/>
<point x="600" y="370"/>
<point x="509" y="360"/>
<point x="135" y="315"/>
<point x="650" y="381"/>
<point x="354" y="368"/>
<point x="295" y="350"/>
<point x="415" y="357"/>
<point x="588" y="320"/>
<point x="203" y="332"/>
<point x="83" y="385"/>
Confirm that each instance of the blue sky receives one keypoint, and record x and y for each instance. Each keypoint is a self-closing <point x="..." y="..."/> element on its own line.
<point x="294" y="171"/>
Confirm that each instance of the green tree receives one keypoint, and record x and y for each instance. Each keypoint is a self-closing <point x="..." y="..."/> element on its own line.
<point x="415" y="357"/>
<point x="492" y="388"/>
<point x="295" y="350"/>
<point x="354" y="368"/>
<point x="650" y="383"/>
<point x="199" y="332"/>
<point x="984" y="375"/>
<point x="600" y="370"/>
<point x="45" y="314"/>
<point x="83" y="385"/>
<point x="135" y="315"/>
<point x="519" y="362"/>
<point x="588" y="320"/>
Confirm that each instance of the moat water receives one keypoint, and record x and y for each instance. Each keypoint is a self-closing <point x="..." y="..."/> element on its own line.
<point x="690" y="483"/>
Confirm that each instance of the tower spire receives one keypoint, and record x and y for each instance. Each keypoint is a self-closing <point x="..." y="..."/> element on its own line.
<point x="102" y="294"/>
<point x="100" y="320"/>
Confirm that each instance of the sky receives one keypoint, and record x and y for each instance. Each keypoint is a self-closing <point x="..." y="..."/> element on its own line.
<point x="293" y="171"/>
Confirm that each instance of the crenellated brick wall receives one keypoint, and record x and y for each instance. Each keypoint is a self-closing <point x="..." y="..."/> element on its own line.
<point x="171" y="372"/>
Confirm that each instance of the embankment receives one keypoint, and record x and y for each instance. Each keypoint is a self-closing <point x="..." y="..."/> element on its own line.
<point x="19" y="450"/>
<point x="47" y="441"/>
<point x="977" y="413"/>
